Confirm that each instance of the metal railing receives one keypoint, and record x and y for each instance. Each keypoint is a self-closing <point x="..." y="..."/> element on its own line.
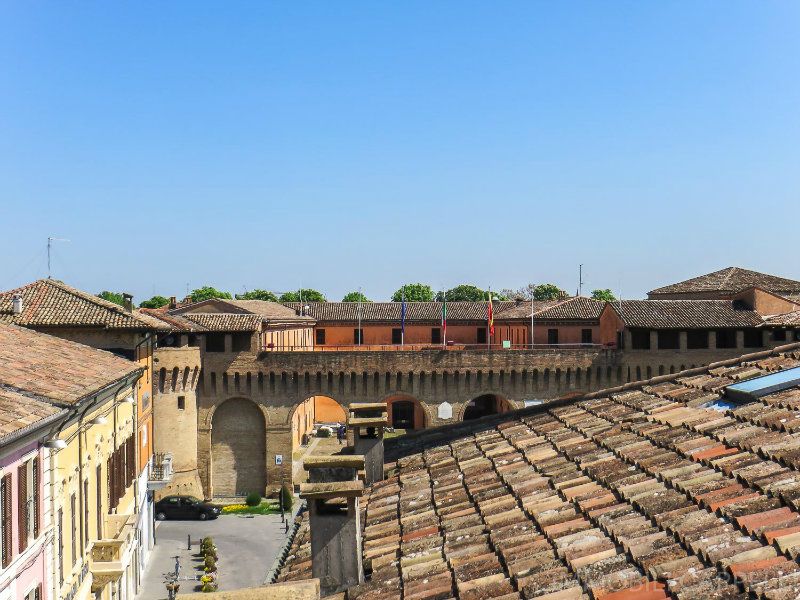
<point x="449" y="346"/>
<point x="162" y="467"/>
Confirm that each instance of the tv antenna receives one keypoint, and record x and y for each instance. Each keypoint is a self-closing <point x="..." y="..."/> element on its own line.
<point x="580" y="279"/>
<point x="50" y="241"/>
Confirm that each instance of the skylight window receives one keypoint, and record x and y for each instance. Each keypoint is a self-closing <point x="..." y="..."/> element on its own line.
<point x="752" y="389"/>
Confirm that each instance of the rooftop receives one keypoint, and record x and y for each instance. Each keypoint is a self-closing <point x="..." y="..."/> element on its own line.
<point x="685" y="314"/>
<point x="647" y="491"/>
<point x="731" y="280"/>
<point x="40" y="374"/>
<point x="52" y="303"/>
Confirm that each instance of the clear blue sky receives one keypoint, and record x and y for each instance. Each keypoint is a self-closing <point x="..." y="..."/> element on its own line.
<point x="346" y="144"/>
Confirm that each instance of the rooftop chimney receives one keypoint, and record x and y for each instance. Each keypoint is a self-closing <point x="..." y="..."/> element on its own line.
<point x="366" y="422"/>
<point x="16" y="304"/>
<point x="127" y="301"/>
<point x="334" y="516"/>
<point x="173" y="302"/>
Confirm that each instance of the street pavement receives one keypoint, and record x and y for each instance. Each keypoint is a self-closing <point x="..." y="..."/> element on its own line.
<point x="247" y="548"/>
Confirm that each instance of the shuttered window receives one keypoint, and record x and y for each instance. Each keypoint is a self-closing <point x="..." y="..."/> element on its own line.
<point x="22" y="505"/>
<point x="74" y="529"/>
<point x="60" y="534"/>
<point x="8" y="532"/>
<point x="37" y="477"/>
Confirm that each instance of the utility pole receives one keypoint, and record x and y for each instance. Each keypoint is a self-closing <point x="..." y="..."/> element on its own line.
<point x="50" y="241"/>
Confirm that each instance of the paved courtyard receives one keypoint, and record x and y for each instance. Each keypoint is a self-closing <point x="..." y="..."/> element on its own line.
<point x="247" y="548"/>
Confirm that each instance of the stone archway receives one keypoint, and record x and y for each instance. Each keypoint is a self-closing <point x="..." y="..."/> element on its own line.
<point x="238" y="449"/>
<point x="484" y="405"/>
<point x="405" y="412"/>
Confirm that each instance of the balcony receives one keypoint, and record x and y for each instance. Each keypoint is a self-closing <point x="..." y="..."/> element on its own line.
<point x="110" y="555"/>
<point x="160" y="471"/>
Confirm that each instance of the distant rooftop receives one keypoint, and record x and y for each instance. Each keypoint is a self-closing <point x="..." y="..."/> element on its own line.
<point x="729" y="281"/>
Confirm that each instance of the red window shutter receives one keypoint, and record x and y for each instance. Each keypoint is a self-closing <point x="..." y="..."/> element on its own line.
<point x="8" y="523"/>
<point x="22" y="505"/>
<point x="37" y="477"/>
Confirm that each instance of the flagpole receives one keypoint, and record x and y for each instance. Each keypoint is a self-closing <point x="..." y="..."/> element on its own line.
<point x="489" y="322"/>
<point x="403" y="318"/>
<point x="360" y="334"/>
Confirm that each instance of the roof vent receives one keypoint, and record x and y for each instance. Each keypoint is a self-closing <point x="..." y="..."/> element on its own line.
<point x="16" y="304"/>
<point x="752" y="389"/>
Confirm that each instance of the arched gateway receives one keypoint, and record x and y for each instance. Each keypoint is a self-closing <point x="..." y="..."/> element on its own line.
<point x="238" y="449"/>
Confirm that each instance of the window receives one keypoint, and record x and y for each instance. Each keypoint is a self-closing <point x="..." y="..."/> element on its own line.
<point x="320" y="337"/>
<point x="241" y="342"/>
<point x="86" y="535"/>
<point x="481" y="335"/>
<point x="586" y="336"/>
<point x="181" y="402"/>
<point x="6" y="522"/>
<point x="726" y="338"/>
<point x="215" y="342"/>
<point x="552" y="336"/>
<point x="60" y="534"/>
<point x="697" y="339"/>
<point x="193" y="341"/>
<point x="436" y="335"/>
<point x="753" y="338"/>
<point x="73" y="528"/>
<point x="25" y="514"/>
<point x="669" y="340"/>
<point x="779" y="335"/>
<point x="640" y="339"/>
<point x="99" y="501"/>
<point x="397" y="335"/>
<point x="35" y="593"/>
<point x="358" y="336"/>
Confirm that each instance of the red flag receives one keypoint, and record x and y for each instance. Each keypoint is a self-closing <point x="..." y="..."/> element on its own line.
<point x="491" y="317"/>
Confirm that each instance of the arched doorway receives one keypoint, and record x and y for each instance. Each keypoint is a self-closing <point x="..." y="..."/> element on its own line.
<point x="238" y="449"/>
<point x="486" y="404"/>
<point x="405" y="412"/>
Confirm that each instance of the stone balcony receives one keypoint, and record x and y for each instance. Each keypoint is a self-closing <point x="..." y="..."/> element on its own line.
<point x="160" y="471"/>
<point x="110" y="555"/>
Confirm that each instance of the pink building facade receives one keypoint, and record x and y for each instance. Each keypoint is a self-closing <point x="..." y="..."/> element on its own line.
<point x="25" y="554"/>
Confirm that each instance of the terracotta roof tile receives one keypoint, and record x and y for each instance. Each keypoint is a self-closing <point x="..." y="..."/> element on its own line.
<point x="730" y="280"/>
<point x="685" y="314"/>
<point x="53" y="369"/>
<point x="51" y="303"/>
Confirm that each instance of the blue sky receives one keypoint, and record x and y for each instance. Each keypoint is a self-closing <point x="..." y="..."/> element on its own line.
<point x="344" y="144"/>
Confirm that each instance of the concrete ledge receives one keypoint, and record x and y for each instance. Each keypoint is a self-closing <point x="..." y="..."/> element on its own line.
<point x="299" y="590"/>
<point x="338" y="489"/>
<point x="334" y="461"/>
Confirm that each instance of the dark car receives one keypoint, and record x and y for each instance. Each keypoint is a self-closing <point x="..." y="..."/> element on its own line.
<point x="185" y="507"/>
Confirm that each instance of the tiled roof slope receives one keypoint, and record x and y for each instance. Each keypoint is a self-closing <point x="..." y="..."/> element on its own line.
<point x="173" y="321"/>
<point x="731" y="280"/>
<point x="787" y="320"/>
<point x="269" y="310"/>
<point x="381" y="312"/>
<point x="51" y="303"/>
<point x="578" y="308"/>
<point x="685" y="314"/>
<point x="19" y="412"/>
<point x="639" y="493"/>
<point x="225" y="321"/>
<point x="54" y="369"/>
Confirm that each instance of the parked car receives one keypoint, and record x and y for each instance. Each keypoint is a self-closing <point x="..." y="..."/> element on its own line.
<point x="185" y="507"/>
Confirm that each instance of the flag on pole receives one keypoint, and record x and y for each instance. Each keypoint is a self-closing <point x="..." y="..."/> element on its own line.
<point x="491" y="316"/>
<point x="403" y="319"/>
<point x="444" y="321"/>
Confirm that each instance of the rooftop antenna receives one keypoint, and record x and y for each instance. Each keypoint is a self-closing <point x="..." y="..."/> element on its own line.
<point x="580" y="279"/>
<point x="50" y="241"/>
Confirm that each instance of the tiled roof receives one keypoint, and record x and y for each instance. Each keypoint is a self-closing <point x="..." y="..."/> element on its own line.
<point x="54" y="369"/>
<point x="687" y="314"/>
<point x="573" y="309"/>
<point x="382" y="312"/>
<point x="225" y="321"/>
<point x="732" y="280"/>
<point x="173" y="321"/>
<point x="640" y="493"/>
<point x="51" y="303"/>
<point x="522" y="310"/>
<point x="19" y="412"/>
<point x="269" y="310"/>
<point x="787" y="320"/>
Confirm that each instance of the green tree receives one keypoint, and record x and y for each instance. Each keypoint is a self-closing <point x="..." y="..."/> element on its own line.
<point x="206" y="293"/>
<point x="154" y="302"/>
<point x="547" y="291"/>
<point x="463" y="293"/>
<point x="355" y="297"/>
<point x="114" y="297"/>
<point x="304" y="295"/>
<point x="606" y="295"/>
<point x="414" y="292"/>
<point x="258" y="295"/>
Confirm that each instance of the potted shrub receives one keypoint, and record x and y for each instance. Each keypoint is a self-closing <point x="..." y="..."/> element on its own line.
<point x="253" y="499"/>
